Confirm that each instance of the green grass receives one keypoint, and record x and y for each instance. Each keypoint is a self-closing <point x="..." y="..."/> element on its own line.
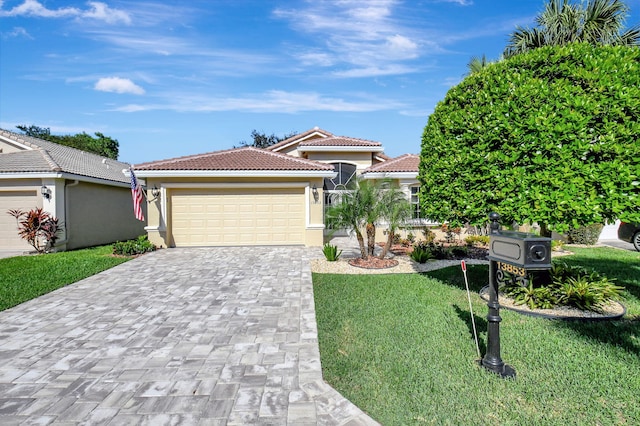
<point x="24" y="278"/>
<point x="401" y="348"/>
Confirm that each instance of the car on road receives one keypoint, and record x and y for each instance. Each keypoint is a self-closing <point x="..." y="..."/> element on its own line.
<point x="630" y="232"/>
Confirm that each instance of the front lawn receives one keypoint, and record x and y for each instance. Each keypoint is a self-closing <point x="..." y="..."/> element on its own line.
<point x="400" y="347"/>
<point x="24" y="278"/>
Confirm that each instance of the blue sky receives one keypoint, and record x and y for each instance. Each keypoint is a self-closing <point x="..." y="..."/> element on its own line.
<point x="177" y="78"/>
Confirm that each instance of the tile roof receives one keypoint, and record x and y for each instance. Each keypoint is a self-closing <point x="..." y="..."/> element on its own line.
<point x="44" y="156"/>
<point x="246" y="158"/>
<point x="302" y="135"/>
<point x="339" y="141"/>
<point x="407" y="163"/>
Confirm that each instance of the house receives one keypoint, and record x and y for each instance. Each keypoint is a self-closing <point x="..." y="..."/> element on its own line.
<point x="252" y="196"/>
<point x="89" y="194"/>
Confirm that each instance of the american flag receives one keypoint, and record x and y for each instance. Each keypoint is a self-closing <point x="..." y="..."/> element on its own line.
<point x="136" y="194"/>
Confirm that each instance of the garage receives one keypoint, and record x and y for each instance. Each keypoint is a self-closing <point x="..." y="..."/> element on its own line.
<point x="14" y="198"/>
<point x="231" y="217"/>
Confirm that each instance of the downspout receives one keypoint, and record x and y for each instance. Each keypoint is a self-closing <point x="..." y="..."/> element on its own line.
<point x="66" y="210"/>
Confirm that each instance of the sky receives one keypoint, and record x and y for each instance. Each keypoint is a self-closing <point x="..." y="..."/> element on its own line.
<point x="169" y="79"/>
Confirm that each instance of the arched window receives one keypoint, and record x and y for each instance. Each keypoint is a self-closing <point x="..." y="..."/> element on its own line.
<point x="346" y="173"/>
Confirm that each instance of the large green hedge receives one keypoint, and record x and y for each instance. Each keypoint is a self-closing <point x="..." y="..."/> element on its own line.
<point x="550" y="136"/>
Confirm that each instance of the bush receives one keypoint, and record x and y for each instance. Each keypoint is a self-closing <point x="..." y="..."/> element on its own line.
<point x="557" y="245"/>
<point x="477" y="240"/>
<point x="429" y="235"/>
<point x="140" y="245"/>
<point x="585" y="234"/>
<point x="421" y="253"/>
<point x="331" y="253"/>
<point x="459" y="251"/>
<point x="38" y="227"/>
<point x="439" y="251"/>
<point x="572" y="286"/>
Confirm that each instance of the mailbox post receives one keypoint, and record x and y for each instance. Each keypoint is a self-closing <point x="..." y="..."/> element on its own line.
<point x="514" y="253"/>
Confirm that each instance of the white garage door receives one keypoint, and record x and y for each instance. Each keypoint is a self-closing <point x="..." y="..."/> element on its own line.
<point x="11" y="200"/>
<point x="229" y="217"/>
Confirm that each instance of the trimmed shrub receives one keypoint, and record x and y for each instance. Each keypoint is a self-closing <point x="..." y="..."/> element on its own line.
<point x="140" y="245"/>
<point x="585" y="234"/>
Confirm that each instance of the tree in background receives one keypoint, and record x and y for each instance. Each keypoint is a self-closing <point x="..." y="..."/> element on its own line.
<point x="261" y="140"/>
<point x="549" y="136"/>
<point x="597" y="22"/>
<point x="101" y="144"/>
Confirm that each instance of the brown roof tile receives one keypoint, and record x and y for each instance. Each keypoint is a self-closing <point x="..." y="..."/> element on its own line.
<point x="302" y="135"/>
<point x="406" y="163"/>
<point x="247" y="158"/>
<point x="339" y="141"/>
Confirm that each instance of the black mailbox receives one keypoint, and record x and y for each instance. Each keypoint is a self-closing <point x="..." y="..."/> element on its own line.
<point x="520" y="249"/>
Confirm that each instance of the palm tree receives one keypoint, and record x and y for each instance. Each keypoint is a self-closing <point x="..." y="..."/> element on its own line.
<point x="362" y="207"/>
<point x="599" y="22"/>
<point x="476" y="64"/>
<point x="349" y="214"/>
<point x="396" y="211"/>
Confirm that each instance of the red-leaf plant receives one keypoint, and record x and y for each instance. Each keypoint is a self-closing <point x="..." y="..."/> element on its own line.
<point x="38" y="227"/>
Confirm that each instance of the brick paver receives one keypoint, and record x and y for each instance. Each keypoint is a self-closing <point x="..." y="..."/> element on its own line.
<point x="203" y="336"/>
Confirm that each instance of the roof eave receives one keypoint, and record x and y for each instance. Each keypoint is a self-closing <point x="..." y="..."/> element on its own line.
<point x="390" y="175"/>
<point x="62" y="175"/>
<point x="235" y="173"/>
<point x="338" y="148"/>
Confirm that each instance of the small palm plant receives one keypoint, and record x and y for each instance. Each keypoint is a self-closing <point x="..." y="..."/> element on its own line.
<point x="331" y="252"/>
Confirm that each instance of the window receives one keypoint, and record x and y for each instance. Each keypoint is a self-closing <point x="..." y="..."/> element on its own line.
<point x="415" y="202"/>
<point x="346" y="173"/>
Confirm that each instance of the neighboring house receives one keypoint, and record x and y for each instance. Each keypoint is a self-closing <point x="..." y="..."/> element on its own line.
<point x="252" y="196"/>
<point x="89" y="194"/>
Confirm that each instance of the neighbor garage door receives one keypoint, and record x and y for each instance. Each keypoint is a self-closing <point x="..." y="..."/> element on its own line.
<point x="10" y="200"/>
<point x="225" y="217"/>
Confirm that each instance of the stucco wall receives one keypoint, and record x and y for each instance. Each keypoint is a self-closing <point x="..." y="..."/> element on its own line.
<point x="99" y="214"/>
<point x="362" y="160"/>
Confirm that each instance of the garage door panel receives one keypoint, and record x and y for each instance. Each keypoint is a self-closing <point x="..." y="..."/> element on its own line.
<point x="238" y="217"/>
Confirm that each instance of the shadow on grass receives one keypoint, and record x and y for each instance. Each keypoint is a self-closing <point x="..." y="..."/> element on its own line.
<point x="478" y="276"/>
<point x="481" y="327"/>
<point x="626" y="272"/>
<point x="624" y="334"/>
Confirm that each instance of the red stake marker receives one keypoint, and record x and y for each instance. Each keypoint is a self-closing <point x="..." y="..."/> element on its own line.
<point x="473" y="321"/>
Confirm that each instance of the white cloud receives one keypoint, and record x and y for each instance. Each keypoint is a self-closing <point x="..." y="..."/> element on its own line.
<point x="17" y="32"/>
<point x="35" y="8"/>
<point x="274" y="101"/>
<point x="350" y="35"/>
<point x="102" y="12"/>
<point x="118" y="85"/>
<point x="97" y="10"/>
<point x="460" y="2"/>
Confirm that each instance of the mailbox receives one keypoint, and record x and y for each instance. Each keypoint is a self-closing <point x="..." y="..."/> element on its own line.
<point x="516" y="253"/>
<point x="522" y="250"/>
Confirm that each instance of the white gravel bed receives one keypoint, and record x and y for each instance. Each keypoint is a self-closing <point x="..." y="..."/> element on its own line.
<point x="405" y="266"/>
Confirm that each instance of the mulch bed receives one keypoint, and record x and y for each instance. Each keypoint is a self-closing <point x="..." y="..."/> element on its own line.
<point x="472" y="252"/>
<point x="373" y="263"/>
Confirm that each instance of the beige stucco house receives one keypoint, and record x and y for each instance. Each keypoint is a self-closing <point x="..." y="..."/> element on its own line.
<point x="273" y="196"/>
<point x="89" y="194"/>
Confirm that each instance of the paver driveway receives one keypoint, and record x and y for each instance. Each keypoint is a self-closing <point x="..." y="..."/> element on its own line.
<point x="181" y="336"/>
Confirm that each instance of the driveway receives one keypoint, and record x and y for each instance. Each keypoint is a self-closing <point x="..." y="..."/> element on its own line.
<point x="205" y="336"/>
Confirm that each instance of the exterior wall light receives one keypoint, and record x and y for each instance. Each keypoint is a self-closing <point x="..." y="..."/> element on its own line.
<point x="314" y="191"/>
<point x="46" y="192"/>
